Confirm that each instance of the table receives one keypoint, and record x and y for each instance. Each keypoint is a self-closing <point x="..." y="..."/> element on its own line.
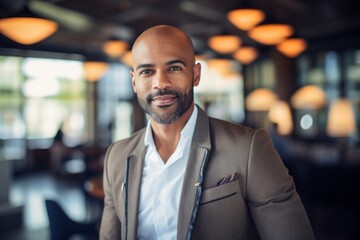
<point x="94" y="186"/>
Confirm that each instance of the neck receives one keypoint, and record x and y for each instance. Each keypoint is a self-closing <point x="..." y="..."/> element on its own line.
<point x="167" y="136"/>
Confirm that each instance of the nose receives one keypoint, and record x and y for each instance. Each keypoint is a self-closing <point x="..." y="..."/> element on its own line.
<point x="161" y="80"/>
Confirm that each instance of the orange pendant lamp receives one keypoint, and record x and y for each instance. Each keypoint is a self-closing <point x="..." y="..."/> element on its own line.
<point x="341" y="119"/>
<point x="292" y="47"/>
<point x="126" y="58"/>
<point x="309" y="97"/>
<point x="224" y="44"/>
<point x="115" y="48"/>
<point x="246" y="19"/>
<point x="280" y="113"/>
<point x="260" y="99"/>
<point x="94" y="70"/>
<point x="271" y="34"/>
<point x="27" y="28"/>
<point x="246" y="55"/>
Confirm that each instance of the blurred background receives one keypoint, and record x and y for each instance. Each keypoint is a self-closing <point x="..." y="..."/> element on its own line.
<point x="291" y="67"/>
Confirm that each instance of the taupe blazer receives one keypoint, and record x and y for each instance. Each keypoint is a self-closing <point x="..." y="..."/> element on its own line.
<point x="261" y="204"/>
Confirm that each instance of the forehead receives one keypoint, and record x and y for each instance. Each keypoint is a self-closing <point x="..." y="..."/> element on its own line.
<point x="161" y="49"/>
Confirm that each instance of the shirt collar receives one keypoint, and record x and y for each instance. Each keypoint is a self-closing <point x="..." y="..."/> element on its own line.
<point x="187" y="131"/>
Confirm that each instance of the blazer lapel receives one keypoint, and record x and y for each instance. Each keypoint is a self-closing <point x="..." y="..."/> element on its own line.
<point x="199" y="151"/>
<point x="135" y="171"/>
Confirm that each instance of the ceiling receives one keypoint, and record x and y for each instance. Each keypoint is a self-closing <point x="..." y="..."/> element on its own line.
<point x="86" y="24"/>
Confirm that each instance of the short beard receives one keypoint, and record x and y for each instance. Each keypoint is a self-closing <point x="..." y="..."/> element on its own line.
<point x="184" y="102"/>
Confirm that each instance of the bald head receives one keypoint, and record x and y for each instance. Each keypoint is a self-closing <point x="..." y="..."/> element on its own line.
<point x="163" y="34"/>
<point x="165" y="31"/>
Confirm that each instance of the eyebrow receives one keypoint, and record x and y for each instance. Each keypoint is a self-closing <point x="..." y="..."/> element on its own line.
<point x="175" y="62"/>
<point x="149" y="65"/>
<point x="145" y="66"/>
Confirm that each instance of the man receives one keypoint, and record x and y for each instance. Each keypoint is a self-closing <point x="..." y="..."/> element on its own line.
<point x="188" y="176"/>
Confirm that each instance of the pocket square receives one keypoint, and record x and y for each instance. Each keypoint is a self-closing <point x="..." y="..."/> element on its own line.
<point x="230" y="178"/>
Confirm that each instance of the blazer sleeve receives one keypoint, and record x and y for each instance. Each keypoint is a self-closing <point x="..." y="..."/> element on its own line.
<point x="110" y="223"/>
<point x="274" y="204"/>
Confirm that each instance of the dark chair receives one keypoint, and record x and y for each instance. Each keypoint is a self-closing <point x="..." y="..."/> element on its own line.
<point x="62" y="227"/>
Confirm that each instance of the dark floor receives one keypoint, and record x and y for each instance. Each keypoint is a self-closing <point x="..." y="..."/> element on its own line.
<point x="31" y="190"/>
<point x="331" y="196"/>
<point x="331" y="220"/>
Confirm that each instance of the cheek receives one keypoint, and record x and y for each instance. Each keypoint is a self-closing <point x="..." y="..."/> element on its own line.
<point x="141" y="89"/>
<point x="182" y="80"/>
<point x="186" y="83"/>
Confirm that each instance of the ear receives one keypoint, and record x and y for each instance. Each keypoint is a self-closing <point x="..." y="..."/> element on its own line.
<point x="197" y="74"/>
<point x="132" y="74"/>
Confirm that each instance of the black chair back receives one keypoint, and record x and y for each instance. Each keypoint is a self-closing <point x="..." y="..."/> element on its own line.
<point x="62" y="227"/>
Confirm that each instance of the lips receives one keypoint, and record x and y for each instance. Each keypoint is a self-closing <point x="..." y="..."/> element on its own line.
<point x="163" y="100"/>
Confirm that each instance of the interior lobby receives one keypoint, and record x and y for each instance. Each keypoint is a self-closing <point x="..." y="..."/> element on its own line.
<point x="292" y="68"/>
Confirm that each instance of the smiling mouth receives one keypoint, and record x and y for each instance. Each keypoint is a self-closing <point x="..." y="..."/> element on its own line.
<point x="163" y="100"/>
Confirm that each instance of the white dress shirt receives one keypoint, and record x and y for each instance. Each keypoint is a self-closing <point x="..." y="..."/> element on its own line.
<point x="161" y="185"/>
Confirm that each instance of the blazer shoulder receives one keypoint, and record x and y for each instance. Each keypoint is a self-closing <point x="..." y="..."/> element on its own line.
<point x="231" y="135"/>
<point x="218" y="125"/>
<point x="127" y="145"/>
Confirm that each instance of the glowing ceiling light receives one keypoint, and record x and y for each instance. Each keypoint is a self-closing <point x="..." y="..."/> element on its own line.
<point x="309" y="97"/>
<point x="27" y="30"/>
<point x="292" y="47"/>
<point x="246" y="55"/>
<point x="271" y="34"/>
<point x="260" y="99"/>
<point x="93" y="71"/>
<point x="280" y="114"/>
<point x="341" y="120"/>
<point x="115" y="48"/>
<point x="224" y="44"/>
<point x="127" y="58"/>
<point x="245" y="19"/>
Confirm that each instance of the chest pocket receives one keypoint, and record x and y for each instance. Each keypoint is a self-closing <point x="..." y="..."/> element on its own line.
<point x="220" y="192"/>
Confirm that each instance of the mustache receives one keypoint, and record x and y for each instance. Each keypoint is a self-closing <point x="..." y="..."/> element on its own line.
<point x="162" y="92"/>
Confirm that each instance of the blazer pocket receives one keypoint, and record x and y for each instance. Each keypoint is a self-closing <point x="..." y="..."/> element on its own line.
<point x="220" y="192"/>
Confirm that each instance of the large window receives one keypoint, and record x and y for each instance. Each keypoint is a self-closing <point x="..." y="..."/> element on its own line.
<point x="37" y="97"/>
<point x="12" y="128"/>
<point x="338" y="73"/>
<point x="54" y="93"/>
<point x="220" y="91"/>
<point x="115" y="109"/>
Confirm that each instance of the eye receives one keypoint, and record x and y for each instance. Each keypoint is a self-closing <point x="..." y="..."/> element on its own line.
<point x="175" y="68"/>
<point x="145" y="72"/>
